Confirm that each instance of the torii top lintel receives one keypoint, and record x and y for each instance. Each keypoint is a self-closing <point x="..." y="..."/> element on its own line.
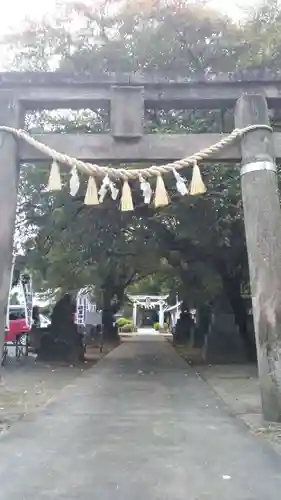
<point x="55" y="89"/>
<point x="149" y="301"/>
<point x="127" y="96"/>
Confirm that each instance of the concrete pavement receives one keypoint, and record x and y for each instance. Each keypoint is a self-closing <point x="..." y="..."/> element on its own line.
<point x="140" y="425"/>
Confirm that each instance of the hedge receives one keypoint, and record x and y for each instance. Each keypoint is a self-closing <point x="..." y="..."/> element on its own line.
<point x="122" y="322"/>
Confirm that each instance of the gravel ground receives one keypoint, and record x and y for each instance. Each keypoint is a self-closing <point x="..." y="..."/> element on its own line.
<point x="27" y="385"/>
<point x="238" y="386"/>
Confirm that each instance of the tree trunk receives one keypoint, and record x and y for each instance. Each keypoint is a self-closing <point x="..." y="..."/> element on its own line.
<point x="231" y="286"/>
<point x="110" y="331"/>
<point x="202" y="326"/>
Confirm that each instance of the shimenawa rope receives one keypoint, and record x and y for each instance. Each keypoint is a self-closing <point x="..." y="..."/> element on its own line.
<point x="111" y="174"/>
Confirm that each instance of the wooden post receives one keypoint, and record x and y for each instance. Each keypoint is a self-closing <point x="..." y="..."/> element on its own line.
<point x="9" y="175"/>
<point x="263" y="224"/>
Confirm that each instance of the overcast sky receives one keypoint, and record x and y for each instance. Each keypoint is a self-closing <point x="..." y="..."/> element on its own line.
<point x="14" y="11"/>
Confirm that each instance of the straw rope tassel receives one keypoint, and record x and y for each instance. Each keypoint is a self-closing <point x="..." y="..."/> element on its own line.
<point x="126" y="204"/>
<point x="91" y="196"/>
<point x="197" y="185"/>
<point x="161" y="197"/>
<point x="54" y="182"/>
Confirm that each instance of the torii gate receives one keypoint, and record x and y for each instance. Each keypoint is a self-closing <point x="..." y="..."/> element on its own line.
<point x="127" y="96"/>
<point x="149" y="302"/>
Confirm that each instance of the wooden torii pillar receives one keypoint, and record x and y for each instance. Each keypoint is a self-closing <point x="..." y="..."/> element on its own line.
<point x="9" y="176"/>
<point x="127" y="96"/>
<point x="263" y="235"/>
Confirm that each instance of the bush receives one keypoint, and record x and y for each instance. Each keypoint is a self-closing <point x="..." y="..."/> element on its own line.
<point x="156" y="326"/>
<point x="128" y="328"/>
<point x="122" y="322"/>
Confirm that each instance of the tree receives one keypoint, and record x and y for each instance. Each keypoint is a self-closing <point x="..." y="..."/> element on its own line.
<point x="76" y="246"/>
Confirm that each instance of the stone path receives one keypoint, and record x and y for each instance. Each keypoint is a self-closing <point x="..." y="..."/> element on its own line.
<point x="140" y="425"/>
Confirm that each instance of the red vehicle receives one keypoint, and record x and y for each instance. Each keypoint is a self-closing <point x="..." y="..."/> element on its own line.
<point x="18" y="327"/>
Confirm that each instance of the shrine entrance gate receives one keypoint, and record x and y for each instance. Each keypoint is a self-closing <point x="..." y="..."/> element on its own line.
<point x="127" y="97"/>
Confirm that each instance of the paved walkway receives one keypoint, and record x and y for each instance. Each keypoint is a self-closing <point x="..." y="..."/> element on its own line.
<point x="138" y="426"/>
